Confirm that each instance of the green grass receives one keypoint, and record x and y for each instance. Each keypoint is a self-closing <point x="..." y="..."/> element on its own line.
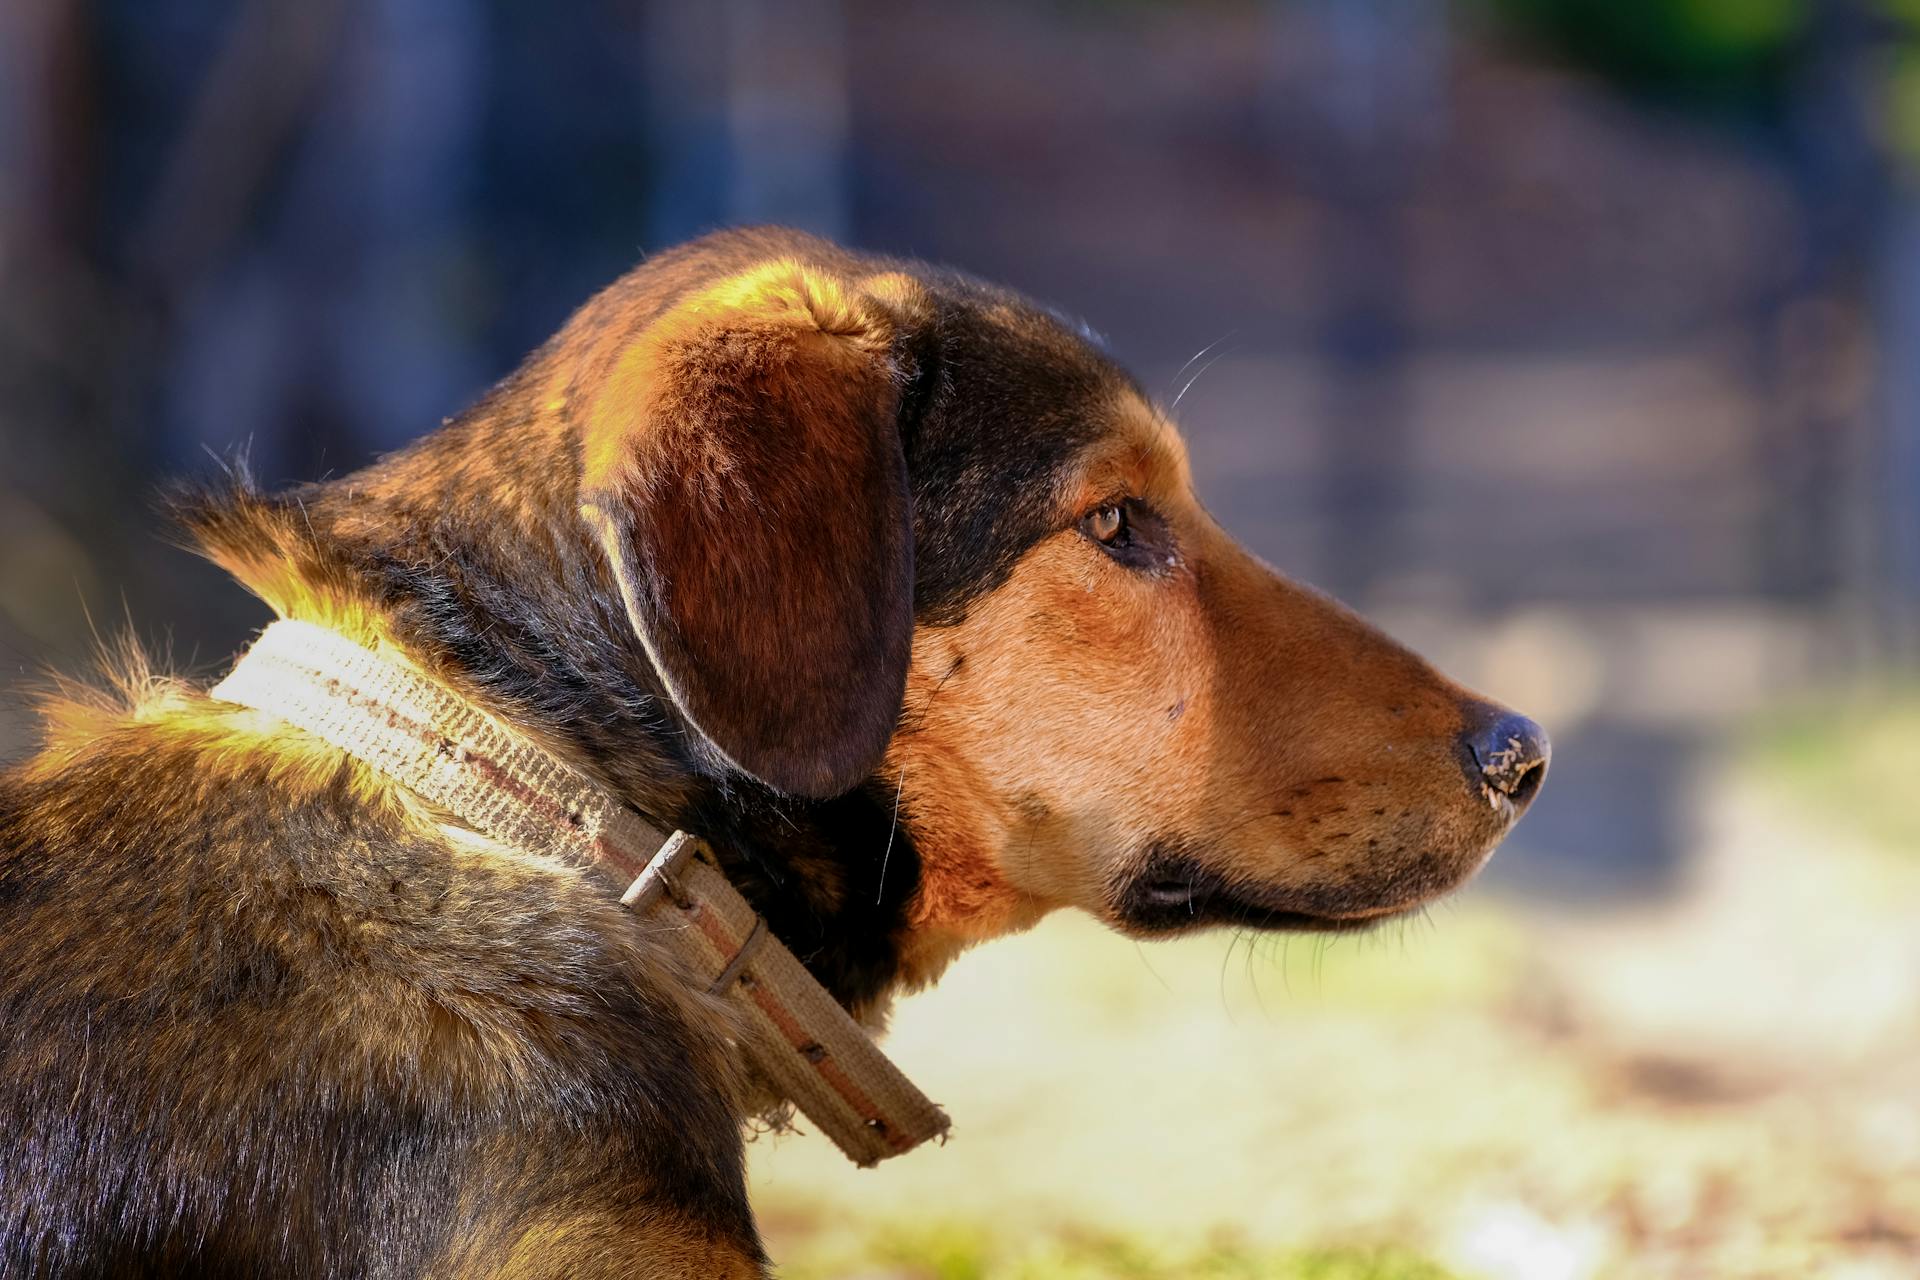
<point x="962" y="1252"/>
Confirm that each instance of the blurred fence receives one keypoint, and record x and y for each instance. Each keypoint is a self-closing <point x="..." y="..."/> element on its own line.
<point x="1599" y="398"/>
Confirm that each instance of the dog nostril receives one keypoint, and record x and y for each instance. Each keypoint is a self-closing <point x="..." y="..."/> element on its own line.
<point x="1511" y="753"/>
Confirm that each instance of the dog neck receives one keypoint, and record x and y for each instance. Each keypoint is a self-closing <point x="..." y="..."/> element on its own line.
<point x="435" y="745"/>
<point x="453" y="554"/>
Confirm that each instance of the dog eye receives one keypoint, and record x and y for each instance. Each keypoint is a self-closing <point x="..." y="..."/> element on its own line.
<point x="1106" y="525"/>
<point x="1134" y="535"/>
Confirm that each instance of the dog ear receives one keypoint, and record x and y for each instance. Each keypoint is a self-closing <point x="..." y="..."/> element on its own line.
<point x="743" y="474"/>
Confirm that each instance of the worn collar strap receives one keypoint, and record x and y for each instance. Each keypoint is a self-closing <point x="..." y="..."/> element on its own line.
<point x="391" y="716"/>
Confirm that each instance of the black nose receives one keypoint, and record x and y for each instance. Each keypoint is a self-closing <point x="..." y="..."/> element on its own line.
<point x="1510" y="753"/>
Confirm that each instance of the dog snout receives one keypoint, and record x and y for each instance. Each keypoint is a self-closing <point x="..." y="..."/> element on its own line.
<point x="1506" y="752"/>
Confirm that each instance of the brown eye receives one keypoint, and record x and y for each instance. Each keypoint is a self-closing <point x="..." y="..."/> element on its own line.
<point x="1106" y="524"/>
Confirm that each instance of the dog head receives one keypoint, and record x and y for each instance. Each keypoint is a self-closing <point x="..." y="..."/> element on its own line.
<point x="876" y="523"/>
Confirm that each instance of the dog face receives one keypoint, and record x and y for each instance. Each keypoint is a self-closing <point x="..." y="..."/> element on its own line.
<point x="878" y="523"/>
<point x="1146" y="722"/>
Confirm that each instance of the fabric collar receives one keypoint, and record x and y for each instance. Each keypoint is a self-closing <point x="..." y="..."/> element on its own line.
<point x="391" y="716"/>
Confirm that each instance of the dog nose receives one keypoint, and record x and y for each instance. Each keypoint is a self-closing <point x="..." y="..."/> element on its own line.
<point x="1510" y="752"/>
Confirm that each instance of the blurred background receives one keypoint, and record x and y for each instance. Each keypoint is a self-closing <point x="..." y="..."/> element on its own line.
<point x="1576" y="340"/>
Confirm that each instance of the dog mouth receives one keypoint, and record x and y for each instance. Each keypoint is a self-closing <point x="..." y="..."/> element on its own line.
<point x="1176" y="893"/>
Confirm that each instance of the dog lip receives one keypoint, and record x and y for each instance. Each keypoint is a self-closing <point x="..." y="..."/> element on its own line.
<point x="1178" y="893"/>
<point x="1166" y="892"/>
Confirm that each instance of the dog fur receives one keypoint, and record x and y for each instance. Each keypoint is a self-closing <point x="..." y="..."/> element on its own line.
<point x="886" y="581"/>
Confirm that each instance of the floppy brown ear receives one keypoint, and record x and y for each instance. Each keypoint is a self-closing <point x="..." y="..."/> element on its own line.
<point x="743" y="474"/>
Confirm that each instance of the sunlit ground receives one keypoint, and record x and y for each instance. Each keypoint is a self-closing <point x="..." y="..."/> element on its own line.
<point x="1726" y="1084"/>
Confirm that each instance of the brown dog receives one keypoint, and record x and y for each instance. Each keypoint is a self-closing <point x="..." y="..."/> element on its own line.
<point x="879" y="578"/>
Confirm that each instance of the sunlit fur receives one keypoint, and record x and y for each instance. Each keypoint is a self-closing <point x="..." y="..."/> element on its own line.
<point x="1085" y="712"/>
<point x="783" y="545"/>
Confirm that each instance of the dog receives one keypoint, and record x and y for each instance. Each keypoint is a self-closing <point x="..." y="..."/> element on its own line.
<point x="888" y="583"/>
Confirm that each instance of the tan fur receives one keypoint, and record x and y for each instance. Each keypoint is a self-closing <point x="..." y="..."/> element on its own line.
<point x="699" y="544"/>
<point x="798" y="314"/>
<point x="654" y="1244"/>
<point x="1081" y="711"/>
<point x="166" y="713"/>
<point x="271" y="566"/>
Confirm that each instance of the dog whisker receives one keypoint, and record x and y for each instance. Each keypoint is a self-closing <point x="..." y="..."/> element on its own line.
<point x="1201" y="354"/>
<point x="1201" y="372"/>
<point x="893" y="829"/>
<point x="1226" y="958"/>
<point x="1142" y="953"/>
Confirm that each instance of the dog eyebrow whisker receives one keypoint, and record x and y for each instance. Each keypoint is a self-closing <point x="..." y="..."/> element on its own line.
<point x="1202" y="353"/>
<point x="1201" y="372"/>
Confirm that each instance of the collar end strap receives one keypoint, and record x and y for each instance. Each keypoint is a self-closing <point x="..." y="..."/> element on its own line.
<point x="803" y="1042"/>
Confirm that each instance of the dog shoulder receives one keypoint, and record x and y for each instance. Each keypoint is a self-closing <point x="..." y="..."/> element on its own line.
<point x="261" y="1009"/>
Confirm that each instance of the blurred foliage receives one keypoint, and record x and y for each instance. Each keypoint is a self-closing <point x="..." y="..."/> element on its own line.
<point x="1712" y="49"/>
<point x="1721" y="55"/>
<point x="1727" y="54"/>
<point x="956" y="1252"/>
<point x="1903" y="80"/>
<point x="1854" y="761"/>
